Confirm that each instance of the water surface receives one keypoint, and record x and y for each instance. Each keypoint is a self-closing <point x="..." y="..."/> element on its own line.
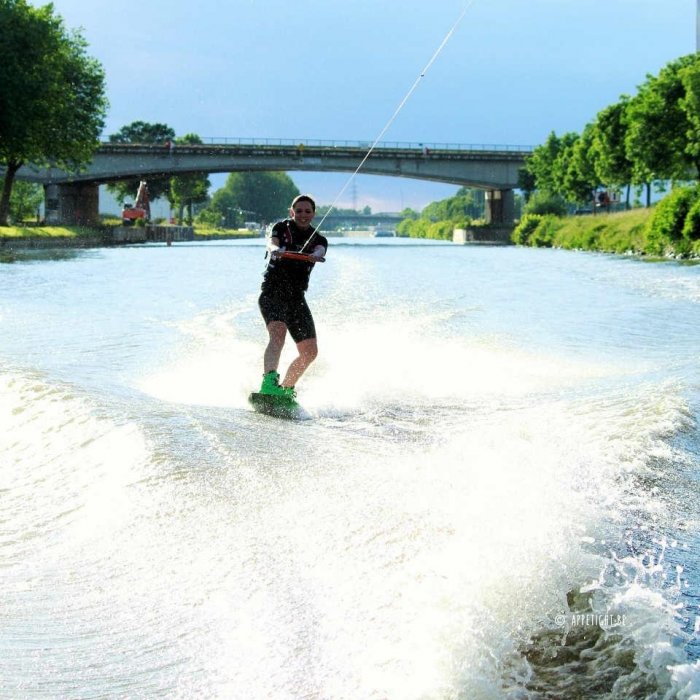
<point x="495" y="495"/>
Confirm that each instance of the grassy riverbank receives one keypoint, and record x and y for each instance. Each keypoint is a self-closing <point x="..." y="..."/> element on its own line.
<point x="42" y="236"/>
<point x="18" y="233"/>
<point x="632" y="232"/>
<point x="621" y="232"/>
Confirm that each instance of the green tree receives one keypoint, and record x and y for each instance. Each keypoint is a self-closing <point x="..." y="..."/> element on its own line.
<point x="540" y="165"/>
<point x="25" y="200"/>
<point x="463" y="206"/>
<point x="613" y="167"/>
<point x="561" y="165"/>
<point x="542" y="203"/>
<point x="52" y="101"/>
<point x="323" y="209"/>
<point x="580" y="179"/>
<point x="142" y="132"/>
<point x="188" y="189"/>
<point x="261" y="197"/>
<point x="658" y="127"/>
<point x="690" y="104"/>
<point x="526" y="183"/>
<point x="226" y="208"/>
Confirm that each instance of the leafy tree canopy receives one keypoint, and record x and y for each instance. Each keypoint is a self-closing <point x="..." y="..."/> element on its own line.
<point x="143" y="132"/>
<point x="690" y="104"/>
<point x="580" y="179"/>
<point x="659" y="127"/>
<point x="540" y="165"/>
<point x="25" y="201"/>
<point x="52" y="94"/>
<point x="465" y="204"/>
<point x="608" y="151"/>
<point x="255" y="196"/>
<point x="322" y="210"/>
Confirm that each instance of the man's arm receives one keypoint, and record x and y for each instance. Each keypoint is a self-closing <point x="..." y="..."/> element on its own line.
<point x="273" y="247"/>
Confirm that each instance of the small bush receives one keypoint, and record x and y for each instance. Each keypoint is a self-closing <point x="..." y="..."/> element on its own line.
<point x="664" y="231"/>
<point x="691" y="225"/>
<point x="545" y="203"/>
<point x="524" y="230"/>
<point x="413" y="228"/>
<point x="441" y="230"/>
<point x="543" y="235"/>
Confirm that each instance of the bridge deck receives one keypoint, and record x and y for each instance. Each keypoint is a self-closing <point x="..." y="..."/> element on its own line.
<point x="331" y="148"/>
<point x="488" y="167"/>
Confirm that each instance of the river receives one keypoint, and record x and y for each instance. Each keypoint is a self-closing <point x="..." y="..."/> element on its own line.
<point x="495" y="494"/>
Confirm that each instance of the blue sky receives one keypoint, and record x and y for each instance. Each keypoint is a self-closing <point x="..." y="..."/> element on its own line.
<point x="513" y="71"/>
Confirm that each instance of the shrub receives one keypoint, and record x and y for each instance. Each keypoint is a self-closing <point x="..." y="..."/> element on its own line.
<point x="524" y="230"/>
<point x="413" y="228"/>
<point x="441" y="230"/>
<point x="543" y="235"/>
<point x="664" y="231"/>
<point x="546" y="203"/>
<point x="691" y="225"/>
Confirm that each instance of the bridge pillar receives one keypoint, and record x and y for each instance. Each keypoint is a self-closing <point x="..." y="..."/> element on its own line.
<point x="500" y="207"/>
<point x="75" y="203"/>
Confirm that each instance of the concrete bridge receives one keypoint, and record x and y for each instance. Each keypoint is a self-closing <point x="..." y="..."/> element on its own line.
<point x="73" y="197"/>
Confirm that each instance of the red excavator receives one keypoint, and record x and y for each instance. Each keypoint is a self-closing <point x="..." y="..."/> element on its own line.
<point x="141" y="208"/>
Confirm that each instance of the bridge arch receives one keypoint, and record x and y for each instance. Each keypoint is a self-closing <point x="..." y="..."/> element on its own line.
<point x="492" y="168"/>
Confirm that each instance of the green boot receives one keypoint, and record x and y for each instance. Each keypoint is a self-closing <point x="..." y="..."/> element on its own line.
<point x="270" y="384"/>
<point x="289" y="394"/>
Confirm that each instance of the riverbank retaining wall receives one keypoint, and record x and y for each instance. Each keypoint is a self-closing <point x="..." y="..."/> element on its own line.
<point x="151" y="233"/>
<point x="485" y="235"/>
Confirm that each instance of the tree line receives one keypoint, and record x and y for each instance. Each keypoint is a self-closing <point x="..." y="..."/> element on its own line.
<point x="53" y="107"/>
<point x="52" y="113"/>
<point x="52" y="94"/>
<point x="438" y="219"/>
<point x="648" y="139"/>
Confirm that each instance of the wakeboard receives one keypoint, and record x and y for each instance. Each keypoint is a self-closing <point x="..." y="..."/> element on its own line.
<point x="276" y="406"/>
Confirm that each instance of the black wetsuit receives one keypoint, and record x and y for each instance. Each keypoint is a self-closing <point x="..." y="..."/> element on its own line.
<point x="285" y="281"/>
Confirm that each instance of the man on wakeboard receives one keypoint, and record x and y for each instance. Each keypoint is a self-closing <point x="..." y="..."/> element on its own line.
<point x="282" y="302"/>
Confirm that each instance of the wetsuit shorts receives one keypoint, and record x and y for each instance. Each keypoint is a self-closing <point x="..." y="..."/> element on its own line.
<point x="292" y="310"/>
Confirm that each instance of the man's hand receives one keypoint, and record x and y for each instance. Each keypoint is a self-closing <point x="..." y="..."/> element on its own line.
<point x="318" y="252"/>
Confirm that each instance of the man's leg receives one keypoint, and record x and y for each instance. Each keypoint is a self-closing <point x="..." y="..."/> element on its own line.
<point x="308" y="350"/>
<point x="277" y="331"/>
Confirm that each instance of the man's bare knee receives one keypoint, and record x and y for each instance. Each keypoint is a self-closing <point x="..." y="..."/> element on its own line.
<point x="310" y="354"/>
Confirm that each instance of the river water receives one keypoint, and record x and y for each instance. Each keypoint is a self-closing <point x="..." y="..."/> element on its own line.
<point x="494" y="496"/>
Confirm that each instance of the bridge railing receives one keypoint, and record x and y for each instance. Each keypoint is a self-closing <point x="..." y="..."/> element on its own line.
<point x="325" y="143"/>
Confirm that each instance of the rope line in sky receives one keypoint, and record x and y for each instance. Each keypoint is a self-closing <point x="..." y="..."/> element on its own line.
<point x="407" y="96"/>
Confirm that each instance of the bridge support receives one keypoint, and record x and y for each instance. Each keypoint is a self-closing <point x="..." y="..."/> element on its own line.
<point x="500" y="207"/>
<point x="73" y="204"/>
